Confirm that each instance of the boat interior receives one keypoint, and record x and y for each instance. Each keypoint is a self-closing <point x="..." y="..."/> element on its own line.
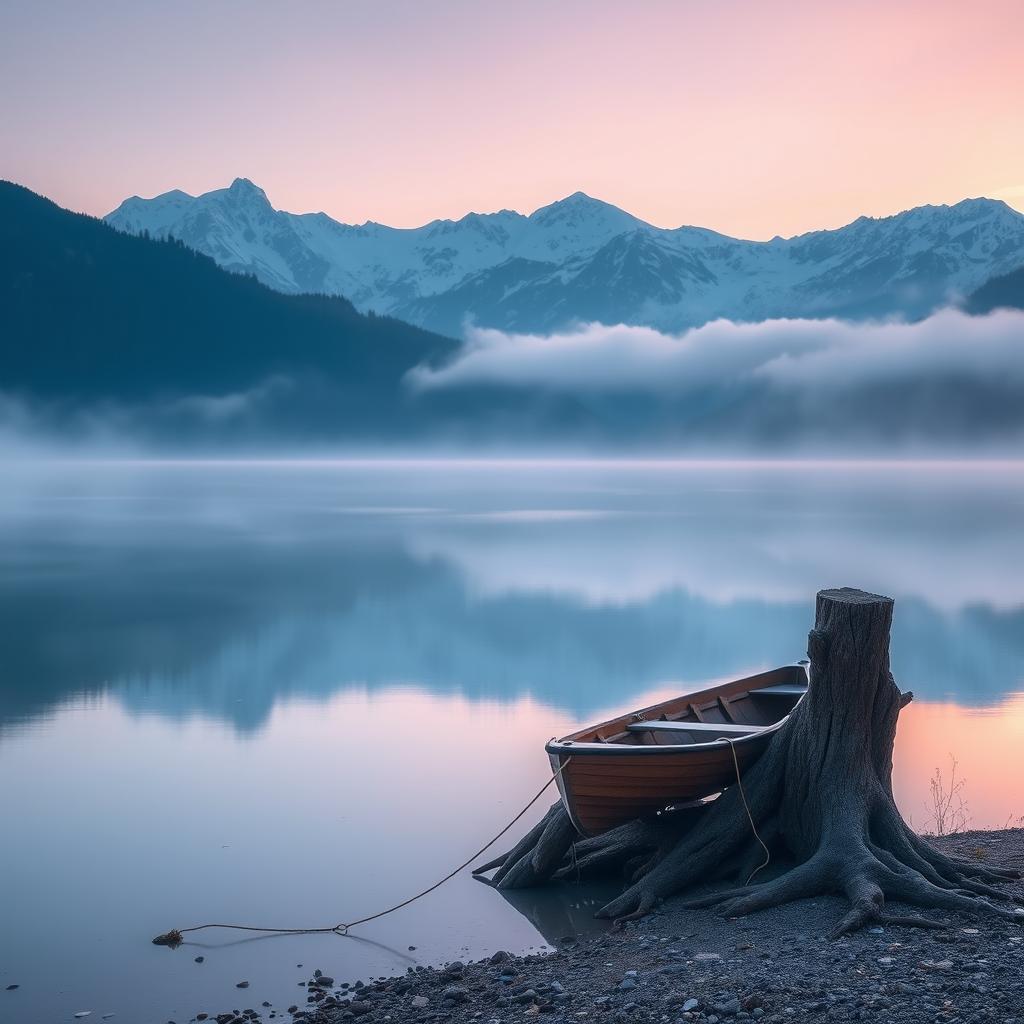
<point x="745" y="708"/>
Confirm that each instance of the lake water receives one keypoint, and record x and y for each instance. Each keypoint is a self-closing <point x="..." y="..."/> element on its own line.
<point x="290" y="694"/>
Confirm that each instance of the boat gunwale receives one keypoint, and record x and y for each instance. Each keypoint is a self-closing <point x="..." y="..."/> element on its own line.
<point x="569" y="747"/>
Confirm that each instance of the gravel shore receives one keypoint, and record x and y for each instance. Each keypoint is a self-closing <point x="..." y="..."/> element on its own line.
<point x="685" y="966"/>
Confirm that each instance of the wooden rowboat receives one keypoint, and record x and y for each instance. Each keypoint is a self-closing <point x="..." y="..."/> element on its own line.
<point x="673" y="753"/>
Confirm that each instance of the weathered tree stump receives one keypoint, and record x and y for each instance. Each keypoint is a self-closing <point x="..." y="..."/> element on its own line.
<point x="820" y="797"/>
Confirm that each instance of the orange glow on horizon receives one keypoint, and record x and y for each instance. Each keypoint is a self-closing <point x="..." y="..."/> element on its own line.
<point x="988" y="745"/>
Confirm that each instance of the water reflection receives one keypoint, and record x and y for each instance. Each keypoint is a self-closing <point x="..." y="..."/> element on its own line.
<point x="227" y="690"/>
<point x="563" y="911"/>
<point x="187" y="592"/>
<point x="987" y="745"/>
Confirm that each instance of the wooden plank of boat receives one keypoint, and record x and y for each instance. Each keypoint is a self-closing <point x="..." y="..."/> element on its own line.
<point x="673" y="752"/>
<point x="782" y="690"/>
<point x="695" y="727"/>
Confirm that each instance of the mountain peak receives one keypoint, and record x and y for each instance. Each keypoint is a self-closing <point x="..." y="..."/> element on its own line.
<point x="977" y="207"/>
<point x="983" y="206"/>
<point x="579" y="208"/>
<point x="578" y="200"/>
<point x="244" y="189"/>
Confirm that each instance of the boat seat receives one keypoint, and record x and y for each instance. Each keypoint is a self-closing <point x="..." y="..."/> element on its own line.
<point x="723" y="729"/>
<point x="780" y="690"/>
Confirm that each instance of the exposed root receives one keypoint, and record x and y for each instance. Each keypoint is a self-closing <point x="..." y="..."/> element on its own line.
<point x="965" y="867"/>
<point x="631" y="849"/>
<point x="538" y="863"/>
<point x="507" y="860"/>
<point x="957" y="867"/>
<point x="867" y="864"/>
<point x="866" y="902"/>
<point x="867" y="874"/>
<point x="634" y="903"/>
<point x="867" y="879"/>
<point x="921" y="892"/>
<point x="806" y="880"/>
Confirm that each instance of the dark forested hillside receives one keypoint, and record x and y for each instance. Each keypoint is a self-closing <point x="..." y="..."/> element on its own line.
<point x="88" y="314"/>
<point x="1004" y="292"/>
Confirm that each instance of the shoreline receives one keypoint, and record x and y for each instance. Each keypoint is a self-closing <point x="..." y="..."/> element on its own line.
<point x="685" y="965"/>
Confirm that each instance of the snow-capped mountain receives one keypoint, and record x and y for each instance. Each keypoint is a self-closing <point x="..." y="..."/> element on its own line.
<point x="582" y="259"/>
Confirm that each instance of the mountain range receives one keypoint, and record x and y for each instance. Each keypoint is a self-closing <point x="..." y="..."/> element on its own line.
<point x="580" y="259"/>
<point x="106" y="335"/>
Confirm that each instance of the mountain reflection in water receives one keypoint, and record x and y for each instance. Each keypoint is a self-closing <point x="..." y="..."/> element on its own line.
<point x="188" y="590"/>
<point x="231" y="690"/>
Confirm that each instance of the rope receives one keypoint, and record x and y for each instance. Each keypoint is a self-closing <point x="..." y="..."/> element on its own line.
<point x="174" y="936"/>
<point x="746" y="807"/>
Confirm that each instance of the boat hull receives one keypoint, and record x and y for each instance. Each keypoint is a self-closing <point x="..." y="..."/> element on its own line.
<point x="602" y="792"/>
<point x="609" y="785"/>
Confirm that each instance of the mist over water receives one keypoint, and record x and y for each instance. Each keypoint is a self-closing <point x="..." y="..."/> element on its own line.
<point x="207" y="664"/>
<point x="949" y="385"/>
<point x="944" y="383"/>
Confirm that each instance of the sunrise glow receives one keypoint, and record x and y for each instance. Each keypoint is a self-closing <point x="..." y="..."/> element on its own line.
<point x="745" y="117"/>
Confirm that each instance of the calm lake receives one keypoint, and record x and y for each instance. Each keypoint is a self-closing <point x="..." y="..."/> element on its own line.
<point x="292" y="694"/>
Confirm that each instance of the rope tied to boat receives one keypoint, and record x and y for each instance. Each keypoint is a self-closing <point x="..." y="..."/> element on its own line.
<point x="746" y="807"/>
<point x="175" y="936"/>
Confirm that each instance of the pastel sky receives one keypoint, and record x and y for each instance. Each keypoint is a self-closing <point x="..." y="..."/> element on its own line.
<point x="754" y="117"/>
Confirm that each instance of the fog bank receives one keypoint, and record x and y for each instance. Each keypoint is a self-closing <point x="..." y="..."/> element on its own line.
<point x="950" y="385"/>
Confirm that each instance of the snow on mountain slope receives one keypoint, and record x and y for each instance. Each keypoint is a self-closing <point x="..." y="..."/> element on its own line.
<point x="581" y="259"/>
